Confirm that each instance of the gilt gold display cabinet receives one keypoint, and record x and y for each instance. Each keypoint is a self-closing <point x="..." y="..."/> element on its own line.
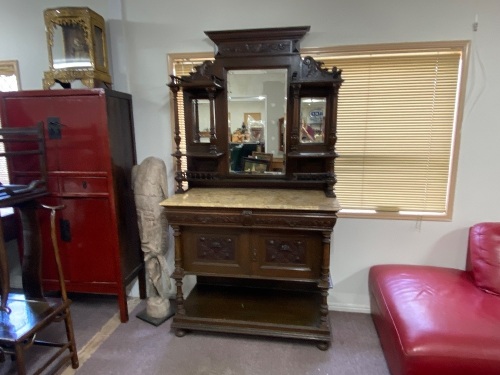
<point x="254" y="211"/>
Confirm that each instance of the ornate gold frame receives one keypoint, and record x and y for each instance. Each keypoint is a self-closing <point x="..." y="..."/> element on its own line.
<point x="97" y="75"/>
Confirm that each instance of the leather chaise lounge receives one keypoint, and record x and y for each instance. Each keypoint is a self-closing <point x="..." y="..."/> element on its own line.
<point x="441" y="321"/>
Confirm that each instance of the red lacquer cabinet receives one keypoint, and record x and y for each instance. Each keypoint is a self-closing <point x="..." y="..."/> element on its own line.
<point x="90" y="151"/>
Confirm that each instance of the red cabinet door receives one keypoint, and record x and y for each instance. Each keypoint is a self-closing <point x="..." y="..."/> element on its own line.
<point x="86" y="246"/>
<point x="49" y="266"/>
<point x="22" y="112"/>
<point x="82" y="145"/>
<point x="75" y="129"/>
<point x="91" y="245"/>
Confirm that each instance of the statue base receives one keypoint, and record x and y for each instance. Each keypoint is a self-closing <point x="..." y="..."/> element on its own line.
<point x="143" y="315"/>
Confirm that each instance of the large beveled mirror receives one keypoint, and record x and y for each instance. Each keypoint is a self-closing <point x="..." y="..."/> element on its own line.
<point x="256" y="103"/>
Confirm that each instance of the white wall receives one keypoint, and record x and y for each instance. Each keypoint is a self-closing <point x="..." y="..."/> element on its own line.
<point x="143" y="33"/>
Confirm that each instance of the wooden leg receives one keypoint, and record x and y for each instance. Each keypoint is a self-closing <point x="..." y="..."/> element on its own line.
<point x="32" y="244"/>
<point x="21" y="366"/>
<point x="70" y="335"/>
<point x="323" y="345"/>
<point x="324" y="284"/>
<point x="142" y="283"/>
<point x="122" y="303"/>
<point x="179" y="332"/>
<point x="4" y="273"/>
<point x="178" y="274"/>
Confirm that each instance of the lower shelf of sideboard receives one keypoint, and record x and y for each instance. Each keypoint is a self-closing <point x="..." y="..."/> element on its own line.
<point x="254" y="311"/>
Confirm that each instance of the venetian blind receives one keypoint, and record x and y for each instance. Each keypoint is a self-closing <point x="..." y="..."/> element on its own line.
<point x="396" y="123"/>
<point x="182" y="66"/>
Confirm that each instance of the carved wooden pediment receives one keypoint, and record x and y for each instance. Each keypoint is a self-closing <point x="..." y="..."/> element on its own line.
<point x="258" y="42"/>
<point x="202" y="76"/>
<point x="203" y="71"/>
<point x="312" y="70"/>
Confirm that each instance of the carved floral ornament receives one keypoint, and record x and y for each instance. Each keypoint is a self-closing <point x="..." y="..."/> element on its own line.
<point x="314" y="70"/>
<point x="203" y="70"/>
<point x="254" y="48"/>
<point x="258" y="220"/>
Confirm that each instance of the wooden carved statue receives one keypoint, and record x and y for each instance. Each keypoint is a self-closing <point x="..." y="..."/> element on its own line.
<point x="150" y="188"/>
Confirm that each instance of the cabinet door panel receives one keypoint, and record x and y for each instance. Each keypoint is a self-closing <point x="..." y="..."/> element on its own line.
<point x="287" y="254"/>
<point x="215" y="251"/>
<point x="85" y="240"/>
<point x="80" y="142"/>
<point x="22" y="112"/>
<point x="48" y="261"/>
<point x="83" y="145"/>
<point x="84" y="236"/>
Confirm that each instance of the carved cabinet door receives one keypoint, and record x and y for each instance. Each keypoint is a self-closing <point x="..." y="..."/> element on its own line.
<point x="211" y="250"/>
<point x="292" y="255"/>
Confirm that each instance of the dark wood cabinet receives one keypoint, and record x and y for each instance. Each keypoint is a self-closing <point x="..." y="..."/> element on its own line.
<point x="262" y="264"/>
<point x="258" y="240"/>
<point x="90" y="150"/>
<point x="252" y="253"/>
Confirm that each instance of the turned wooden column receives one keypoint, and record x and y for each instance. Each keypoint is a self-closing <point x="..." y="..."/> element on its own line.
<point x="178" y="274"/>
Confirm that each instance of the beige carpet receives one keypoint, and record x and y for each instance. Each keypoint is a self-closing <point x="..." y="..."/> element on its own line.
<point x="107" y="346"/>
<point x="140" y="348"/>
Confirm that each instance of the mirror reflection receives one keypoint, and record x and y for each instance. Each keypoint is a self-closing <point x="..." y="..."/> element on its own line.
<point x="256" y="108"/>
<point x="312" y="127"/>
<point x="201" y="120"/>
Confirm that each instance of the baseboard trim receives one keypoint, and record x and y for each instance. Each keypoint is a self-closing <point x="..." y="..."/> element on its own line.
<point x="349" y="308"/>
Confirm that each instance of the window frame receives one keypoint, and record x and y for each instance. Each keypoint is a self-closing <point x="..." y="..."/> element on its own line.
<point x="7" y="68"/>
<point x="387" y="48"/>
<point x="460" y="45"/>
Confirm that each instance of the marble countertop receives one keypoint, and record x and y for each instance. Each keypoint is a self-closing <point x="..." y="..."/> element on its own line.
<point x="279" y="199"/>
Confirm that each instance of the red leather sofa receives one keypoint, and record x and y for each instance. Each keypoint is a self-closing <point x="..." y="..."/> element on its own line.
<point x="441" y="321"/>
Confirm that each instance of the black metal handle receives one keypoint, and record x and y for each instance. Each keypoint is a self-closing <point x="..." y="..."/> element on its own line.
<point x="54" y="127"/>
<point x="65" y="230"/>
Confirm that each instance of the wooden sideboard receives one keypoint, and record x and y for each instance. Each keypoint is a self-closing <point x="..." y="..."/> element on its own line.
<point x="258" y="241"/>
<point x="261" y="257"/>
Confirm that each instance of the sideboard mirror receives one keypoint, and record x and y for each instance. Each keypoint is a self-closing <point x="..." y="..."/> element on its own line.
<point x="312" y="120"/>
<point x="259" y="115"/>
<point x="256" y="102"/>
<point x="201" y="111"/>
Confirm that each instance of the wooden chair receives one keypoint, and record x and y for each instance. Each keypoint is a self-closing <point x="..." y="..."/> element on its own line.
<point x="24" y="315"/>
